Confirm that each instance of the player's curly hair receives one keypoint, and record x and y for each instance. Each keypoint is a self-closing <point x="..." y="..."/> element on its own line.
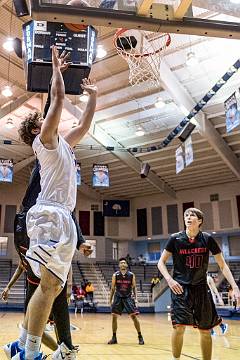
<point x="196" y="212"/>
<point x="26" y="127"/>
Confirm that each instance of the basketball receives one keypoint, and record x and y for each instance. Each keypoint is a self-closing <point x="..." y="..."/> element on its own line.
<point x="78" y="3"/>
<point x="75" y="27"/>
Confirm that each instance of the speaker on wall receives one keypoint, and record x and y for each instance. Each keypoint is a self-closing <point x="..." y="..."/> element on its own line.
<point x="145" y="167"/>
<point x="21" y="7"/>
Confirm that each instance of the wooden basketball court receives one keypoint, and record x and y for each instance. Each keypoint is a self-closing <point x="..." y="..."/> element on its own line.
<point x="94" y="330"/>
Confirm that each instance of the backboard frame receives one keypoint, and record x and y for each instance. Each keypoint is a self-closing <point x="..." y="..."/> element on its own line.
<point x="115" y="19"/>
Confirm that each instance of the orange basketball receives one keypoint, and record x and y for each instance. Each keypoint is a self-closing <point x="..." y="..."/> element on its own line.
<point x="75" y="27"/>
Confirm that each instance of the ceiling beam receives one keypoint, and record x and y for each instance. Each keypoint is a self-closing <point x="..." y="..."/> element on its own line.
<point x="14" y="105"/>
<point x="181" y="96"/>
<point x="182" y="8"/>
<point x="22" y="164"/>
<point x="143" y="7"/>
<point x="104" y="139"/>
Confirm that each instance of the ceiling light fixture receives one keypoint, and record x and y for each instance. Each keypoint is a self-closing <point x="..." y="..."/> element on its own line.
<point x="191" y="59"/>
<point x="139" y="131"/>
<point x="235" y="1"/>
<point x="9" y="124"/>
<point x="160" y="103"/>
<point x="101" y="52"/>
<point x="7" y="91"/>
<point x="8" y="45"/>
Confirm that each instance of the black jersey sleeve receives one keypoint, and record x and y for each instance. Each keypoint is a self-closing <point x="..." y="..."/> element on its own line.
<point x="170" y="244"/>
<point x="213" y="246"/>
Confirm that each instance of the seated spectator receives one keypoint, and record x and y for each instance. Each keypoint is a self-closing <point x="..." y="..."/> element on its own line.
<point x="89" y="291"/>
<point x="79" y="300"/>
<point x="231" y="298"/>
<point x="74" y="289"/>
<point x="141" y="259"/>
<point x="155" y="280"/>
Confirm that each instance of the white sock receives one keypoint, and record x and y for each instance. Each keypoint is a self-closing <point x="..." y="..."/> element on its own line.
<point x="175" y="358"/>
<point x="22" y="338"/>
<point x="32" y="346"/>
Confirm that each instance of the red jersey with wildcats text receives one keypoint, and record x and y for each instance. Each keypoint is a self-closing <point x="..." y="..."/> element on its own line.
<point x="191" y="256"/>
<point x="124" y="283"/>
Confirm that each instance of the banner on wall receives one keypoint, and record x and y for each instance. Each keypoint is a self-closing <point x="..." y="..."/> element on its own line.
<point x="231" y="106"/>
<point x="79" y="179"/>
<point x="100" y="177"/>
<point x="179" y="160"/>
<point x="188" y="151"/>
<point x="6" y="170"/>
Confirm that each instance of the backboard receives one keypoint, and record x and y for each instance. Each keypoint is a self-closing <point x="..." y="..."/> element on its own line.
<point x="214" y="18"/>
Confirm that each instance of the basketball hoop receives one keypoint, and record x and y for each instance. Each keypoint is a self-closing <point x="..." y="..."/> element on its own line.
<point x="143" y="56"/>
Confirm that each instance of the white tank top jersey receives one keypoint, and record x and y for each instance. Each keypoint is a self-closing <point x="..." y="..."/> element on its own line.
<point x="58" y="173"/>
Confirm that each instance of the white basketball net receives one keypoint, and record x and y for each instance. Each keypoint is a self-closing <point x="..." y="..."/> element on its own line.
<point x="144" y="61"/>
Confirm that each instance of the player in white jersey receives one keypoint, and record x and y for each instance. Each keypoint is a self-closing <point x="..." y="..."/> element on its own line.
<point x="50" y="226"/>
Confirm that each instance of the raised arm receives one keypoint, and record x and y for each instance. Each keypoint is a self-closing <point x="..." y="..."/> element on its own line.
<point x="49" y="129"/>
<point x="75" y="135"/>
<point x="174" y="285"/>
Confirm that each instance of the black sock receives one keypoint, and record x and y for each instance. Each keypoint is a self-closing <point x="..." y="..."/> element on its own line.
<point x="114" y="334"/>
<point x="61" y="318"/>
<point x="139" y="333"/>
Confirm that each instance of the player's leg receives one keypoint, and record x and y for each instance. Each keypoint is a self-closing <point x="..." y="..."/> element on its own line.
<point x="43" y="298"/>
<point x="132" y="310"/>
<point x="181" y="315"/>
<point x="114" y="330"/>
<point x="206" y="318"/>
<point x="177" y="341"/>
<point x="206" y="344"/>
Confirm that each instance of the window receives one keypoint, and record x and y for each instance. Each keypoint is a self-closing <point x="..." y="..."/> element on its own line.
<point x="3" y="245"/>
<point x="115" y="250"/>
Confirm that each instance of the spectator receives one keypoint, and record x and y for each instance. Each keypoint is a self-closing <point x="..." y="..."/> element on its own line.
<point x="89" y="291"/>
<point x="155" y="280"/>
<point x="231" y="298"/>
<point x="141" y="260"/>
<point x="79" y="299"/>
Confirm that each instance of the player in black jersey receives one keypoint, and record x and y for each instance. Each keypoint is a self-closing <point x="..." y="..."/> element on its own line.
<point x="192" y="303"/>
<point x="121" y="297"/>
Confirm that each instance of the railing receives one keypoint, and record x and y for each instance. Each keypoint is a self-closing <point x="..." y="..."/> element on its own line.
<point x="101" y="283"/>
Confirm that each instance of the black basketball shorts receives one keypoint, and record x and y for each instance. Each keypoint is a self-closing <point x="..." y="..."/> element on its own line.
<point x="194" y="307"/>
<point x="121" y="303"/>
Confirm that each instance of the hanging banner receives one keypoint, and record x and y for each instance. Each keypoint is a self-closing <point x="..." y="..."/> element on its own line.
<point x="79" y="180"/>
<point x="188" y="151"/>
<point x="179" y="160"/>
<point x="232" y="112"/>
<point x="6" y="170"/>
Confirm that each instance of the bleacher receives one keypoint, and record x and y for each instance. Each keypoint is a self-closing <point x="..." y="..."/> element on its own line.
<point x="17" y="292"/>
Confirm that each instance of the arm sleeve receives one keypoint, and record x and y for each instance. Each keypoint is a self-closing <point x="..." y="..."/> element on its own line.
<point x="213" y="246"/>
<point x="170" y="245"/>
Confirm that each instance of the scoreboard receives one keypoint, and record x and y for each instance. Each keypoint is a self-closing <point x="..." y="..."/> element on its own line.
<point x="39" y="36"/>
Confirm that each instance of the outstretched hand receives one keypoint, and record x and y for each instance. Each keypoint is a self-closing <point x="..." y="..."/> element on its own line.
<point x="89" y="86"/>
<point x="86" y="249"/>
<point x="60" y="61"/>
<point x="5" y="294"/>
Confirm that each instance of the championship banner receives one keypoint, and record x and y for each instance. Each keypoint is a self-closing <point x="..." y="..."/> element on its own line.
<point x="179" y="160"/>
<point x="188" y="151"/>
<point x="232" y="112"/>
<point x="100" y="176"/>
<point x="79" y="180"/>
<point x="6" y="170"/>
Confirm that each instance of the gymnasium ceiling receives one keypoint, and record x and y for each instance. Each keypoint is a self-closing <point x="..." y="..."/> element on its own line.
<point x="121" y="109"/>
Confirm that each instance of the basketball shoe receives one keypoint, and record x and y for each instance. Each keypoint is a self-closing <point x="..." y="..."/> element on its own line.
<point x="21" y="356"/>
<point x="11" y="349"/>
<point x="63" y="353"/>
